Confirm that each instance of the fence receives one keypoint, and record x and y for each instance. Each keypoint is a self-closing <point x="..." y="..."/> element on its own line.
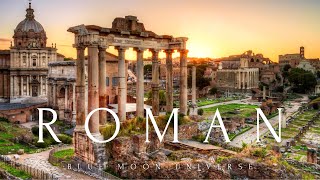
<point x="35" y="173"/>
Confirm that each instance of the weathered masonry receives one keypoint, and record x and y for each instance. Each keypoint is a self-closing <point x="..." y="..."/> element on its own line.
<point x="125" y="33"/>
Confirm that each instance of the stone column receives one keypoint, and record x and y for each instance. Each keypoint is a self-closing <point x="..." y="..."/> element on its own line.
<point x="155" y="82"/>
<point x="16" y="86"/>
<point x="21" y="86"/>
<point x="74" y="103"/>
<point x="122" y="88"/>
<point x="66" y="98"/>
<point x="140" y="83"/>
<point x="46" y="92"/>
<point x="169" y="80"/>
<point x="28" y="81"/>
<point x="183" y="82"/>
<point x="41" y="86"/>
<point x="102" y="85"/>
<point x="194" y="85"/>
<point x="93" y="88"/>
<point x="11" y="86"/>
<point x="54" y="96"/>
<point x="80" y="89"/>
<point x="248" y="80"/>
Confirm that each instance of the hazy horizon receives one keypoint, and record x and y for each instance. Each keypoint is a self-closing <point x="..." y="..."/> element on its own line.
<point x="214" y="28"/>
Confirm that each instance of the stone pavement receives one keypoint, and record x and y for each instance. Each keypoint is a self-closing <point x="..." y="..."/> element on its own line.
<point x="40" y="161"/>
<point x="251" y="135"/>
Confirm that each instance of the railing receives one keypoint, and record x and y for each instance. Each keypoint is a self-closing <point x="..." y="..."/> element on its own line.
<point x="35" y="173"/>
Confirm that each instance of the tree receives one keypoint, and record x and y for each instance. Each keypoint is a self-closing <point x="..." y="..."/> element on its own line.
<point x="286" y="67"/>
<point x="200" y="112"/>
<point x="162" y="97"/>
<point x="201" y="81"/>
<point x="213" y="91"/>
<point x="302" y="80"/>
<point x="147" y="68"/>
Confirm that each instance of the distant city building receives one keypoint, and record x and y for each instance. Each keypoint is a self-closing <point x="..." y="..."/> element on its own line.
<point x="306" y="65"/>
<point x="292" y="59"/>
<point x="62" y="81"/>
<point x="24" y="71"/>
<point x="295" y="59"/>
<point x="242" y="78"/>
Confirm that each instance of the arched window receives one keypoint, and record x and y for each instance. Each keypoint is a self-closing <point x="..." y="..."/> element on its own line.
<point x="34" y="62"/>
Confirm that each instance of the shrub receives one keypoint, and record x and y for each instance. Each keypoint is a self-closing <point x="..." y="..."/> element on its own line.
<point x="3" y="119"/>
<point x="46" y="143"/>
<point x="260" y="152"/>
<point x="35" y="131"/>
<point x="200" y="112"/>
<point x="65" y="139"/>
<point x="244" y="145"/>
<point x="199" y="138"/>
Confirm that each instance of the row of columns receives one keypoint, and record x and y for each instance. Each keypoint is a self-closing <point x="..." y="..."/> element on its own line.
<point x="17" y="86"/>
<point x="97" y="84"/>
<point x="249" y="78"/>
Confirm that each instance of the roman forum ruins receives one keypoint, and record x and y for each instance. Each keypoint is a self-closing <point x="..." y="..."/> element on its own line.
<point x="125" y="33"/>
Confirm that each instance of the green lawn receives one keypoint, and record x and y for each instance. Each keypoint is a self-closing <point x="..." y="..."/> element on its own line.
<point x="66" y="154"/>
<point x="204" y="101"/>
<point x="15" y="172"/>
<point x="228" y="110"/>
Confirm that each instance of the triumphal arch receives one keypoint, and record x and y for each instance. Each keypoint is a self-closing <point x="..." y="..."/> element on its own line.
<point x="125" y="33"/>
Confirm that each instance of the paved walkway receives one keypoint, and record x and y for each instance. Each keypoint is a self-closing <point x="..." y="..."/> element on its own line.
<point x="40" y="161"/>
<point x="251" y="135"/>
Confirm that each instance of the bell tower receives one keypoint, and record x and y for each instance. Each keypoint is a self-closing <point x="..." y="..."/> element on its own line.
<point x="302" y="52"/>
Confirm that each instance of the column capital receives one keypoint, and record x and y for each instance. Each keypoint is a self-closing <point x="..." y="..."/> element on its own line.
<point x="183" y="51"/>
<point x="102" y="48"/>
<point x="154" y="51"/>
<point x="121" y="48"/>
<point x="168" y="51"/>
<point x="80" y="47"/>
<point x="138" y="49"/>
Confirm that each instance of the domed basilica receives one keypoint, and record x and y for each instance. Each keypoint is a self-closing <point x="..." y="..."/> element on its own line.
<point x="25" y="68"/>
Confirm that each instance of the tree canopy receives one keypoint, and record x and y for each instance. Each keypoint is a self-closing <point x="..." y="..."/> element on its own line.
<point x="302" y="80"/>
<point x="201" y="81"/>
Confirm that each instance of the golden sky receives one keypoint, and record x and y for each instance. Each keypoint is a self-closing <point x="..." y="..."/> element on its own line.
<point x="214" y="28"/>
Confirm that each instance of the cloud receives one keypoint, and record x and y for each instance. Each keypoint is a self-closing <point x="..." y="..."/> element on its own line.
<point x="5" y="40"/>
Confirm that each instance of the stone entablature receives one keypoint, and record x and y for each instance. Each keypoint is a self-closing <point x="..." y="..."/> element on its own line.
<point x="125" y="33"/>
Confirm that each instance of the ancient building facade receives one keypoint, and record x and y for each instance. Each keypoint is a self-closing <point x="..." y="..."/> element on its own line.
<point x="4" y="75"/>
<point x="28" y="64"/>
<point x="125" y="33"/>
<point x="243" y="78"/>
<point x="62" y="86"/>
<point x="292" y="59"/>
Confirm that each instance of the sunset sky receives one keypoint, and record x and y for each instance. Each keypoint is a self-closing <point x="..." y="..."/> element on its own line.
<point x="214" y="28"/>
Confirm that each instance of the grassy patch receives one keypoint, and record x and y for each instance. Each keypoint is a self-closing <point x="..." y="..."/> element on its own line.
<point x="205" y="101"/>
<point x="228" y="110"/>
<point x="15" y="172"/>
<point x="66" y="154"/>
<point x="8" y="133"/>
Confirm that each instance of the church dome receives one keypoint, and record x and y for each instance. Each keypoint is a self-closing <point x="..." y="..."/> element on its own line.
<point x="29" y="32"/>
<point x="29" y="25"/>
